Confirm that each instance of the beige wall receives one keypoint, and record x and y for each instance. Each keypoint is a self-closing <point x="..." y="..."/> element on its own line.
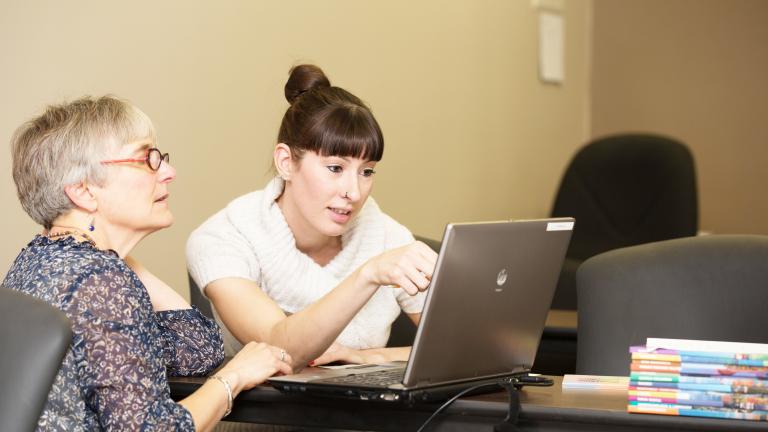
<point x="696" y="70"/>
<point x="471" y="133"/>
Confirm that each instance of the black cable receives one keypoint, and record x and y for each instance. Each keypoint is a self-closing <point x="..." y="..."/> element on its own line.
<point x="452" y="400"/>
<point x="524" y="380"/>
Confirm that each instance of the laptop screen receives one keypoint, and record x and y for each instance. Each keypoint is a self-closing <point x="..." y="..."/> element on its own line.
<point x="488" y="303"/>
<point x="483" y="317"/>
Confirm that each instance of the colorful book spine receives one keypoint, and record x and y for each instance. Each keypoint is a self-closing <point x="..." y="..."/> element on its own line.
<point x="700" y="379"/>
<point x="673" y="377"/>
<point x="725" y="388"/>
<point x="699" y="358"/>
<point x="694" y="411"/>
<point x="704" y="369"/>
<point x="699" y="398"/>
<point x="725" y="356"/>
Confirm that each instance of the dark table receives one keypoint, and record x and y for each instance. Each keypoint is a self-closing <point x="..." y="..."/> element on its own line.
<point x="543" y="408"/>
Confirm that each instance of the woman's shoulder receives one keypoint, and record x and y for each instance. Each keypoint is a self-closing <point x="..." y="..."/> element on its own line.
<point x="396" y="233"/>
<point x="233" y="223"/>
<point x="70" y="253"/>
<point x="57" y="269"/>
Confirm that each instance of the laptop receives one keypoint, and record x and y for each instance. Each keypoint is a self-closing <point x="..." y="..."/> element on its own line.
<point x="482" y="320"/>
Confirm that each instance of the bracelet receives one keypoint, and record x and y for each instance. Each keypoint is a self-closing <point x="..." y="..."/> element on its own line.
<point x="229" y="392"/>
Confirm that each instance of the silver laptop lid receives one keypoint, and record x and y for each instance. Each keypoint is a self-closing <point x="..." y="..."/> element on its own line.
<point x="490" y="295"/>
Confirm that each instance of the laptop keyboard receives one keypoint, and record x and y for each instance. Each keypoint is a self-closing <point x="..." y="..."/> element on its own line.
<point x="382" y="378"/>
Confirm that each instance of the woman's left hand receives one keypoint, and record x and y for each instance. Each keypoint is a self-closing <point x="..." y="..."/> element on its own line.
<point x="340" y="353"/>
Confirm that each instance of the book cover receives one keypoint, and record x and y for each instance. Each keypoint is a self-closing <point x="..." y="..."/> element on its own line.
<point x="595" y="382"/>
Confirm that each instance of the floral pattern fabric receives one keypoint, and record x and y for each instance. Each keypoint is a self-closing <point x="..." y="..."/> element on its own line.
<point x="114" y="375"/>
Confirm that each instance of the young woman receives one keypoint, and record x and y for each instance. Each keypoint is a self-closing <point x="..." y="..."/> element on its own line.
<point x="89" y="172"/>
<point x="310" y="263"/>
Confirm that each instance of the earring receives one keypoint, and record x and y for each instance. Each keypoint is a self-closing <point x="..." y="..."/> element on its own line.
<point x="90" y="225"/>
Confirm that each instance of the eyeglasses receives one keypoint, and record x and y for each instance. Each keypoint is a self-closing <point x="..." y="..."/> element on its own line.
<point x="154" y="159"/>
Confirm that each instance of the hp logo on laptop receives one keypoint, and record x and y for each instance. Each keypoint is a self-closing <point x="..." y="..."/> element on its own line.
<point x="501" y="278"/>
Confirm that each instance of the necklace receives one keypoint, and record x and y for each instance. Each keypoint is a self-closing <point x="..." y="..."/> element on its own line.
<point x="72" y="232"/>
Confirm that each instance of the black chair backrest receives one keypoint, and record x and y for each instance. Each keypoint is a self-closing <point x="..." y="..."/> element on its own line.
<point x="402" y="333"/>
<point x="708" y="288"/>
<point x="628" y="189"/>
<point x="34" y="337"/>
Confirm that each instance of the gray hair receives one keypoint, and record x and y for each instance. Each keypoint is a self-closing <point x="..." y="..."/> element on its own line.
<point x="65" y="146"/>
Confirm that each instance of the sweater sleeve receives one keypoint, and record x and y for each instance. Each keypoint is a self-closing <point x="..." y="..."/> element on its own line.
<point x="397" y="235"/>
<point x="218" y="250"/>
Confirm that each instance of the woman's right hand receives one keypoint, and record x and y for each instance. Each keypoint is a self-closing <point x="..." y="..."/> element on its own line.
<point x="255" y="363"/>
<point x="249" y="368"/>
<point x="410" y="267"/>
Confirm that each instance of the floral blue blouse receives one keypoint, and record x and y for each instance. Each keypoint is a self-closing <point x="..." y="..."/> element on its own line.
<point x="114" y="375"/>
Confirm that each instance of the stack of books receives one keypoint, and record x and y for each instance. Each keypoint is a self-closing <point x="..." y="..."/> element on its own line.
<point x="700" y="379"/>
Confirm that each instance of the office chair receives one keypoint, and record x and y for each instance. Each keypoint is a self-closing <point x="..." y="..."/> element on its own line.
<point x="708" y="288"/>
<point x="34" y="337"/>
<point x="624" y="190"/>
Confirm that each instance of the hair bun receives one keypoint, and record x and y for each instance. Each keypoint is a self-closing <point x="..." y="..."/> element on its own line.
<point x="303" y="78"/>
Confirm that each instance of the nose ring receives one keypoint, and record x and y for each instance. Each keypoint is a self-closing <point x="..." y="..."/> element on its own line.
<point x="346" y="195"/>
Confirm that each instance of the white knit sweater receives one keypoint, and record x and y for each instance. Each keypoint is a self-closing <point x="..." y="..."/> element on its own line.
<point x="250" y="239"/>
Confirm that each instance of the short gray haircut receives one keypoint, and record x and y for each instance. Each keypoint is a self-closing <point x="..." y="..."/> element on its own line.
<point x="65" y="146"/>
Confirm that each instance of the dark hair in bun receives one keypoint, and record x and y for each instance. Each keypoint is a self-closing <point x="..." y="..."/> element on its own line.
<point x="303" y="78"/>
<point x="327" y="120"/>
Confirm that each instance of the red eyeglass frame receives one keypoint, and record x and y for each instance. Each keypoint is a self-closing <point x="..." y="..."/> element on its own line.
<point x="164" y="157"/>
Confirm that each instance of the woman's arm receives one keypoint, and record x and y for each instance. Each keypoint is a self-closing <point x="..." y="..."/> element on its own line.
<point x="121" y="370"/>
<point x="250" y="367"/>
<point x="251" y="315"/>
<point x="122" y="361"/>
<point x="415" y="317"/>
<point x="193" y="343"/>
<point x="339" y="353"/>
<point x="163" y="297"/>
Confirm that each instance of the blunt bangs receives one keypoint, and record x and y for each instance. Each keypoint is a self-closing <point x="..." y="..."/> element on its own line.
<point x="347" y="131"/>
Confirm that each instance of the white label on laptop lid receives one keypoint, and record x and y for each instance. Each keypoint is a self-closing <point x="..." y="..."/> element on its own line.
<point x="560" y="226"/>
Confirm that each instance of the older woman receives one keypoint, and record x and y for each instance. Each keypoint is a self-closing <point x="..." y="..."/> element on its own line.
<point x="90" y="173"/>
